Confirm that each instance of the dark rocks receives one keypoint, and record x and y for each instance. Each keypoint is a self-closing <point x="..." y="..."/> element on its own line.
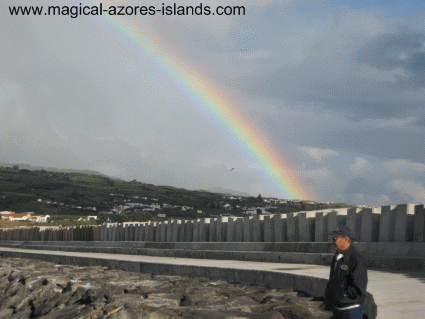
<point x="6" y="313"/>
<point x="37" y="289"/>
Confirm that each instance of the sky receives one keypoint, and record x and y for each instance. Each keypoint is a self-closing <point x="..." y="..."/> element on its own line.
<point x="333" y="89"/>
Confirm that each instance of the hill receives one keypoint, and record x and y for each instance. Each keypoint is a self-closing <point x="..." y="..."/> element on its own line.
<point x="227" y="191"/>
<point x="50" y="169"/>
<point x="76" y="194"/>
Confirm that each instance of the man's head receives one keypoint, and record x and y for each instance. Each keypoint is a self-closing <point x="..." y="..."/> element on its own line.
<point x="342" y="237"/>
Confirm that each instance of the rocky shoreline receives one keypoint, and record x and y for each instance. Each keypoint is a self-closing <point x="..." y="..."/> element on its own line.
<point x="38" y="289"/>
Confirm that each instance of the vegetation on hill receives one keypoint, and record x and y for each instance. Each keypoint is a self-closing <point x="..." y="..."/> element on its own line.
<point x="67" y="196"/>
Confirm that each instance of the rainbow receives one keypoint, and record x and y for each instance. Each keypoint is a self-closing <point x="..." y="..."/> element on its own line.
<point x="237" y="128"/>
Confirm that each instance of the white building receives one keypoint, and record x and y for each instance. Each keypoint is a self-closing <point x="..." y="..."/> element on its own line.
<point x="39" y="218"/>
<point x="25" y="216"/>
<point x="16" y="216"/>
<point x="6" y="212"/>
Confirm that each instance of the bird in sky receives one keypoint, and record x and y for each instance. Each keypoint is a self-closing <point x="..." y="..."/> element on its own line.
<point x="231" y="170"/>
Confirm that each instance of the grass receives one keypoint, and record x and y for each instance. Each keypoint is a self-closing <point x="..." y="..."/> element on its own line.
<point x="17" y="224"/>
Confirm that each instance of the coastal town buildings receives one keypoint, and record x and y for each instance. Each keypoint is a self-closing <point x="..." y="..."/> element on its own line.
<point x="11" y="216"/>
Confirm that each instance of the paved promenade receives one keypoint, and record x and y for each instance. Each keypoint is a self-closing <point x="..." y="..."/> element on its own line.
<point x="396" y="294"/>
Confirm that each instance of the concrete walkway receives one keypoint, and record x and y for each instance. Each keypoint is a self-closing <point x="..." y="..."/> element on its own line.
<point x="396" y="294"/>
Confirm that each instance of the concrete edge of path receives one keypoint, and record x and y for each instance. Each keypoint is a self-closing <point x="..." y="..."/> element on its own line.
<point x="293" y="256"/>
<point x="311" y="285"/>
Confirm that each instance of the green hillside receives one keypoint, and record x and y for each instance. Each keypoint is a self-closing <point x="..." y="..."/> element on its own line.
<point x="77" y="194"/>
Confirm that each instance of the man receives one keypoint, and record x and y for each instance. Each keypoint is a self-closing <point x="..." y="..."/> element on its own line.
<point x="346" y="289"/>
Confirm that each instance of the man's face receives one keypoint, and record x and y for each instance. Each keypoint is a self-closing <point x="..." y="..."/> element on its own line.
<point x="340" y="243"/>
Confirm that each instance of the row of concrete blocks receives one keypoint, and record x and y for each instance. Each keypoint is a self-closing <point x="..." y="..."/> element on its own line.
<point x="84" y="233"/>
<point x="401" y="223"/>
<point x="395" y="223"/>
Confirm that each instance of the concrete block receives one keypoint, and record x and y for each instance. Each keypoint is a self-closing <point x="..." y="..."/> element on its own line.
<point x="130" y="227"/>
<point x="144" y="232"/>
<point x="230" y="230"/>
<point x="114" y="232"/>
<point x="107" y="233"/>
<point x="183" y="231"/>
<point x="321" y="227"/>
<point x="213" y="230"/>
<point x="369" y="220"/>
<point x="98" y="234"/>
<point x="404" y="217"/>
<point x="136" y="231"/>
<point x="268" y="228"/>
<point x="239" y="229"/>
<point x="306" y="226"/>
<point x="169" y="237"/>
<point x="204" y="235"/>
<point x="102" y="232"/>
<point x="189" y="231"/>
<point x="280" y="231"/>
<point x="140" y="232"/>
<point x="133" y="231"/>
<point x="121" y="232"/>
<point x="111" y="232"/>
<point x="201" y="238"/>
<point x="125" y="229"/>
<point x="164" y="229"/>
<point x="221" y="229"/>
<point x="196" y="229"/>
<point x="292" y="227"/>
<point x="419" y="224"/>
<point x="175" y="228"/>
<point x="256" y="228"/>
<point x="387" y="223"/>
<point x="147" y="232"/>
<point x="150" y="235"/>
<point x="247" y="229"/>
<point x="158" y="232"/>
<point x="261" y="218"/>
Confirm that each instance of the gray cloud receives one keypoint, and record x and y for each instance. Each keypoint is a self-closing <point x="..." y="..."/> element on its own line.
<point x="402" y="49"/>
<point x="380" y="81"/>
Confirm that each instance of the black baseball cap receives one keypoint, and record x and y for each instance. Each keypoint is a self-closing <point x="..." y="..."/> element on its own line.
<point x="342" y="231"/>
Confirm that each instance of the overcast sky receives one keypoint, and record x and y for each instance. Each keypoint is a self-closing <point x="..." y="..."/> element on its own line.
<point x="337" y="86"/>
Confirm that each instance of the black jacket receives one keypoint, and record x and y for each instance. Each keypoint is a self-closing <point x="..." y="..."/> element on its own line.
<point x="347" y="282"/>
